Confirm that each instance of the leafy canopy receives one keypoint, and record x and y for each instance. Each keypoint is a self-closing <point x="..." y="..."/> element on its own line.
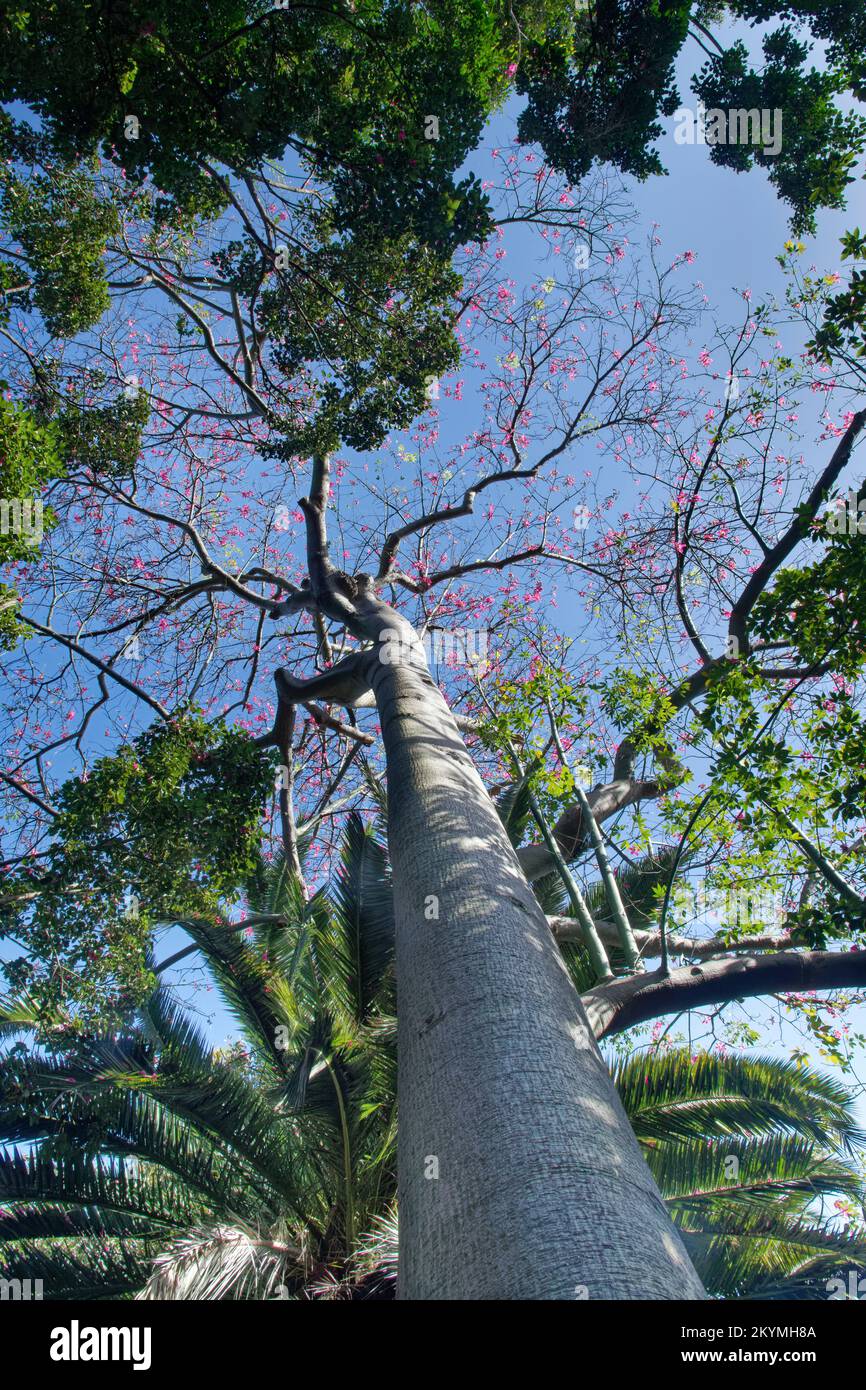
<point x="167" y="828"/>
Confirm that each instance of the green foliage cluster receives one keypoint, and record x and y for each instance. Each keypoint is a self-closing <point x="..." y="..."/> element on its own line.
<point x="381" y="103"/>
<point x="819" y="143"/>
<point x="169" y="827"/>
<point x="234" y="82"/>
<point x="60" y="223"/>
<point x="598" y="81"/>
<point x="640" y="706"/>
<point x="820" y="608"/>
<point x="596" y="86"/>
<point x="104" y="438"/>
<point x="842" y="329"/>
<point x="518" y="721"/>
<point x="841" y="26"/>
<point x="31" y="456"/>
<point x="768" y="779"/>
<point x="349" y="89"/>
<point x="362" y="324"/>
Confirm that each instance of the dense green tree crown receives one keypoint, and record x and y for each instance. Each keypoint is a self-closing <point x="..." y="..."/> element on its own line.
<point x="52" y="209"/>
<point x="596" y="84"/>
<point x="819" y="144"/>
<point x="373" y="357"/>
<point x="349" y="90"/>
<point x="167" y="828"/>
<point x="600" y="78"/>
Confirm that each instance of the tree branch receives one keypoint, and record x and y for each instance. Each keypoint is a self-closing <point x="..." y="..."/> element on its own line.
<point x="99" y="664"/>
<point x="796" y="532"/>
<point x="622" y="1003"/>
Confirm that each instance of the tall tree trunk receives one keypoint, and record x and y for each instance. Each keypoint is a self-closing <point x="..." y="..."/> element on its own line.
<point x="519" y="1177"/>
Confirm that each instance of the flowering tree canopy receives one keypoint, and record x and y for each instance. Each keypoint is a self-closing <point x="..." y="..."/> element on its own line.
<point x="336" y="480"/>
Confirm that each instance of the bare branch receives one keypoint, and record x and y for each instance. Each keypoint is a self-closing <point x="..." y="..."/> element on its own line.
<point x="31" y="796"/>
<point x="99" y="664"/>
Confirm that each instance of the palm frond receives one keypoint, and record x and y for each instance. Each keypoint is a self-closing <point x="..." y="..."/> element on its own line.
<point x="223" y="1262"/>
<point x="356" y="948"/>
<point x="514" y="810"/>
<point x="91" y="1269"/>
<point x="95" y="1182"/>
<point x="671" y="1094"/>
<point x="764" y="1254"/>
<point x="18" y="1014"/>
<point x="781" y="1171"/>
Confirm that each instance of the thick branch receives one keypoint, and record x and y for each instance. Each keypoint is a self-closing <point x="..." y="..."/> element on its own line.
<point x="796" y="532"/>
<point x="314" y="507"/>
<point x="344" y="684"/>
<point x="285" y="724"/>
<point x="622" y="1003"/>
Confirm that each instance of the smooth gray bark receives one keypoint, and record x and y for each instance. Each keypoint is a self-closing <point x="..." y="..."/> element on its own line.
<point x="520" y="1177"/>
<point x="622" y="1003"/>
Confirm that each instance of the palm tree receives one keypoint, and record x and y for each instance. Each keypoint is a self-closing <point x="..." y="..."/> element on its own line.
<point x="155" y="1165"/>
<point x="158" y="1163"/>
